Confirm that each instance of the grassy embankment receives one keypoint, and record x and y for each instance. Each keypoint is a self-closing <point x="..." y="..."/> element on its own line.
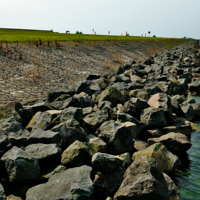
<point x="13" y="36"/>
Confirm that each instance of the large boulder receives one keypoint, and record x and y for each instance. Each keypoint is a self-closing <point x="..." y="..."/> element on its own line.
<point x="47" y="154"/>
<point x="72" y="184"/>
<point x="76" y="154"/>
<point x="165" y="159"/>
<point x="111" y="94"/>
<point x="106" y="184"/>
<point x="105" y="163"/>
<point x="143" y="180"/>
<point x="20" y="166"/>
<point x="94" y="120"/>
<point x="117" y="136"/>
<point x="153" y="117"/>
<point x="46" y="137"/>
<point x="175" y="142"/>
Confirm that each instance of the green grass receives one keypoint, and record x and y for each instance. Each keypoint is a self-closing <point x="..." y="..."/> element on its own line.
<point x="169" y="46"/>
<point x="12" y="36"/>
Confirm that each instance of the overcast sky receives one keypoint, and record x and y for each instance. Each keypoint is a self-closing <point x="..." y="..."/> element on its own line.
<point x="163" y="18"/>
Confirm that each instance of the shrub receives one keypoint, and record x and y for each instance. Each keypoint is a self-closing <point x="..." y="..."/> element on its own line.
<point x="77" y="32"/>
<point x="154" y="36"/>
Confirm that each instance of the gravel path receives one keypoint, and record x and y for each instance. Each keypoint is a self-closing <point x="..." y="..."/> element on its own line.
<point x="44" y="67"/>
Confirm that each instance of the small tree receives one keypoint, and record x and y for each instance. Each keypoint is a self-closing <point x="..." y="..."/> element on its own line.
<point x="154" y="36"/>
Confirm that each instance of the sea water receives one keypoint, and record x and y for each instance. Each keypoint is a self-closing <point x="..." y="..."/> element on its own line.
<point x="188" y="178"/>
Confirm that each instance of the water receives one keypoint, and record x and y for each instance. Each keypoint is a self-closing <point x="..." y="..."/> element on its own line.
<point x="189" y="179"/>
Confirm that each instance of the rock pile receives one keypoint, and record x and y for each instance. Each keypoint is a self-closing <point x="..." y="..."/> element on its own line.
<point x="109" y="138"/>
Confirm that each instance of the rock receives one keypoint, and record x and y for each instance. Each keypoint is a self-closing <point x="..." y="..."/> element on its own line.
<point x="77" y="154"/>
<point x="165" y="159"/>
<point x="175" y="142"/>
<point x="180" y="127"/>
<point x="71" y="184"/>
<point x="194" y="87"/>
<point x="106" y="184"/>
<point x="45" y="153"/>
<point x="134" y="106"/>
<point x="179" y="98"/>
<point x="46" y="137"/>
<point x="69" y="102"/>
<point x="123" y="117"/>
<point x="2" y="193"/>
<point x="155" y="133"/>
<point x="143" y="170"/>
<point x="135" y="78"/>
<point x="176" y="107"/>
<point x="134" y="86"/>
<point x="97" y="144"/>
<point x="140" y="145"/>
<point x="153" y="117"/>
<point x="126" y="160"/>
<point x="4" y="143"/>
<point x="20" y="166"/>
<point x="105" y="163"/>
<point x="71" y="113"/>
<point x="84" y="99"/>
<point x="83" y="86"/>
<point x="95" y="119"/>
<point x="103" y="82"/>
<point x="55" y="92"/>
<point x="142" y="94"/>
<point x="70" y="131"/>
<point x="57" y="170"/>
<point x="173" y="190"/>
<point x="187" y="110"/>
<point x="87" y="110"/>
<point x="40" y="120"/>
<point x="161" y="100"/>
<point x="12" y="197"/>
<point x="111" y="94"/>
<point x="153" y="88"/>
<point x="132" y="128"/>
<point x="18" y="138"/>
<point x="117" y="136"/>
<point x="62" y="97"/>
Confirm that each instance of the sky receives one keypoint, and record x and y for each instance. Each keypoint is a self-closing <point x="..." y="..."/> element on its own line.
<point x="163" y="18"/>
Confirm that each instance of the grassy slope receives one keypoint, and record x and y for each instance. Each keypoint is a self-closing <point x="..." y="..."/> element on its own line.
<point x="12" y="36"/>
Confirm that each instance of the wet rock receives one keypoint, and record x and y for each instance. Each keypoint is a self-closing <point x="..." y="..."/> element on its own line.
<point x="73" y="183"/>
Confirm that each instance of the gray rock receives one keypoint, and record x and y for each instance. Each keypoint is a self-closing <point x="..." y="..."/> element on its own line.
<point x="97" y="144"/>
<point x="126" y="157"/>
<point x="20" y="166"/>
<point x="84" y="99"/>
<point x="83" y="86"/>
<point x="55" y="92"/>
<point x="153" y="117"/>
<point x="72" y="184"/>
<point x="153" y="133"/>
<point x="46" y="137"/>
<point x="70" y="131"/>
<point x="165" y="159"/>
<point x="143" y="170"/>
<point x="175" y="142"/>
<point x="117" y="136"/>
<point x="76" y="154"/>
<point x="106" y="184"/>
<point x="87" y="110"/>
<point x="187" y="110"/>
<point x="47" y="154"/>
<point x="57" y="170"/>
<point x="105" y="163"/>
<point x="95" y="119"/>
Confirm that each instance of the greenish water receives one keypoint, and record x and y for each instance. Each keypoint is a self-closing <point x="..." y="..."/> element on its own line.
<point x="189" y="179"/>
